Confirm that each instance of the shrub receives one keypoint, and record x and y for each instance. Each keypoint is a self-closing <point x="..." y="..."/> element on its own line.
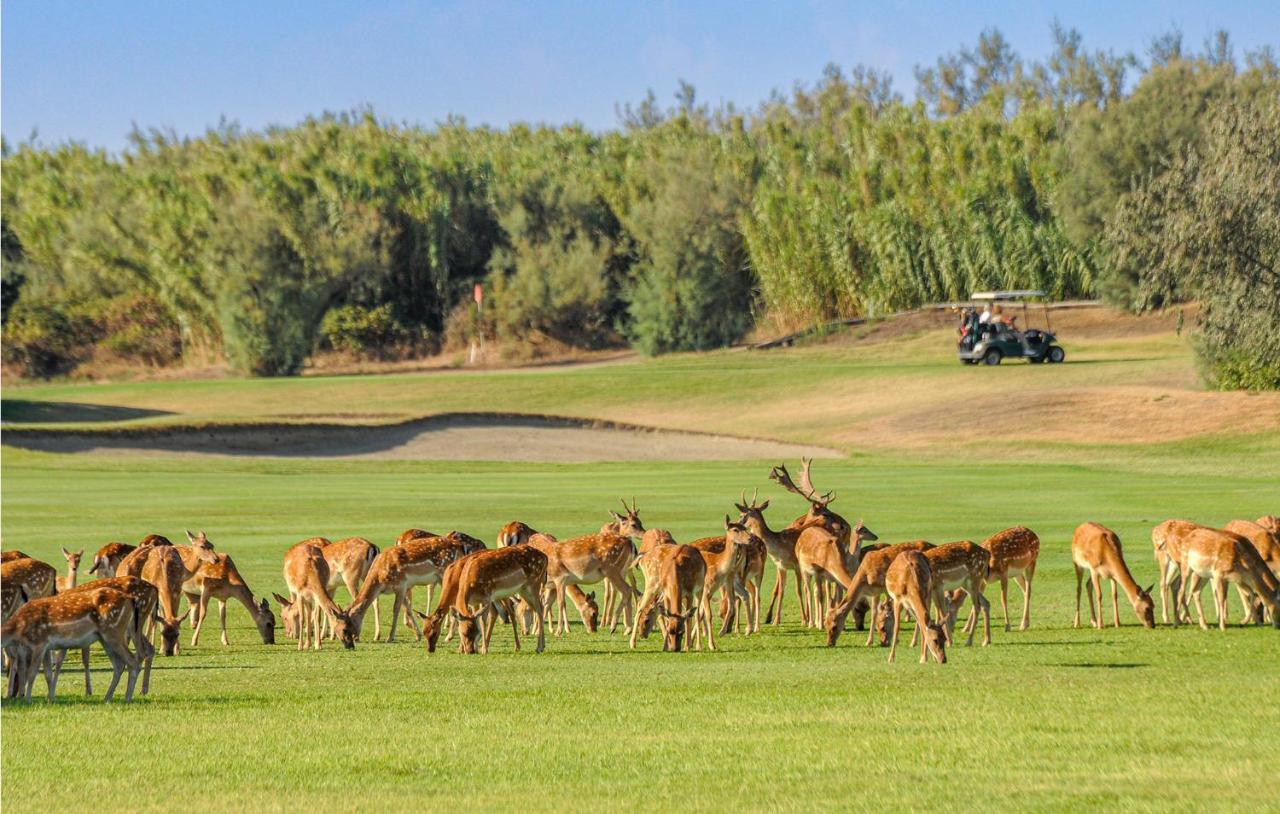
<point x="41" y="339"/>
<point x="363" y="330"/>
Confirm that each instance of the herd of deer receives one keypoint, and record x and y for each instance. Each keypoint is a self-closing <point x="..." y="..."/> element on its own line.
<point x="838" y="567"/>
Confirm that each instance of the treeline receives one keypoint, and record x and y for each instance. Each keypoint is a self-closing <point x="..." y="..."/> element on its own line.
<point x="680" y="230"/>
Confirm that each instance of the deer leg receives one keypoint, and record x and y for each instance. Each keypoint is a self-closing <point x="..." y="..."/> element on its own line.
<point x="1079" y="581"/>
<point x="1246" y="604"/>
<point x="1024" y="582"/>
<point x="222" y="620"/>
<point x="1115" y="604"/>
<point x="377" y="619"/>
<point x="84" y="660"/>
<point x="413" y="621"/>
<point x="1004" y="600"/>
<point x="800" y="594"/>
<point x="779" y="586"/>
<point x="1095" y="593"/>
<point x="203" y="606"/>
<point x="1220" y="600"/>
<point x="1162" y="570"/>
<point x="1192" y="583"/>
<point x="875" y="614"/>
<point x="897" y="624"/>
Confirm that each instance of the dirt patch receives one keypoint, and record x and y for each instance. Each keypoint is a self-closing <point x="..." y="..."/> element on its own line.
<point x="472" y="437"/>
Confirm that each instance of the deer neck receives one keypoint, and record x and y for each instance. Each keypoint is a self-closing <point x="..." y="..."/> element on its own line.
<point x="1120" y="573"/>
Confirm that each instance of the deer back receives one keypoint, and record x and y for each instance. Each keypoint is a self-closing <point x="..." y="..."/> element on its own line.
<point x="35" y="578"/>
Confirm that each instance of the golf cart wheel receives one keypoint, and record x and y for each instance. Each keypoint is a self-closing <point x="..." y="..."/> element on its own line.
<point x="992" y="357"/>
<point x="1057" y="354"/>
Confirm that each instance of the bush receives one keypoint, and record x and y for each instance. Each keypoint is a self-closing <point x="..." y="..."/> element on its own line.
<point x="136" y="327"/>
<point x="41" y="339"/>
<point x="362" y="330"/>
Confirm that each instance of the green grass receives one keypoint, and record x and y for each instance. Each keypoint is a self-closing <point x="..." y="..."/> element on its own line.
<point x="1050" y="718"/>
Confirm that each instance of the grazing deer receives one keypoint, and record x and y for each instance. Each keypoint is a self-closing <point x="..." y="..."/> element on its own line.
<point x="478" y="581"/>
<point x="36" y="579"/>
<point x="108" y="559"/>
<point x="824" y="558"/>
<point x="586" y="560"/>
<point x="681" y="573"/>
<point x="72" y="620"/>
<point x="73" y="570"/>
<point x="221" y="580"/>
<point x="1013" y="555"/>
<point x="306" y="574"/>
<point x="724" y="557"/>
<point x="13" y="554"/>
<point x="165" y="569"/>
<point x="1095" y="549"/>
<point x="1267" y="544"/>
<point x="1167" y="541"/>
<point x="396" y="570"/>
<point x="963" y="566"/>
<point x="518" y="533"/>
<point x="1223" y="557"/>
<point x="867" y="584"/>
<point x="349" y="560"/>
<point x="653" y="545"/>
<point x="145" y="600"/>
<point x="909" y="582"/>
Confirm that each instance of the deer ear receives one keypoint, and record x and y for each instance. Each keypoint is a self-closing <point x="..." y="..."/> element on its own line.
<point x="764" y="505"/>
<point x="421" y="615"/>
<point x="1148" y="590"/>
<point x="190" y="536"/>
<point x="80" y="553"/>
<point x="742" y="509"/>
<point x="264" y="604"/>
<point x="283" y="602"/>
<point x="66" y="553"/>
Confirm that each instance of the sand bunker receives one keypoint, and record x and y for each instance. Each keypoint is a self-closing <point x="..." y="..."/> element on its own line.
<point x="473" y="437"/>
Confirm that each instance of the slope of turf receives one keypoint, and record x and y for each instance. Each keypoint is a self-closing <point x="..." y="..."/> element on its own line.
<point x="1050" y="718"/>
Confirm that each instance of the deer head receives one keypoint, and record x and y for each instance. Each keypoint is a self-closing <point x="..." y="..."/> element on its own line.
<point x="783" y="478"/>
<point x="290" y="615"/>
<point x="203" y="548"/>
<point x="628" y="524"/>
<point x="468" y="631"/>
<point x="514" y="533"/>
<point x="73" y="558"/>
<point x="266" y="622"/>
<point x="344" y="629"/>
<point x="469" y="544"/>
<point x="675" y="627"/>
<point x="935" y="642"/>
<point x="1145" y="607"/>
<point x="591" y="614"/>
<point x="430" y="629"/>
<point x="168" y="634"/>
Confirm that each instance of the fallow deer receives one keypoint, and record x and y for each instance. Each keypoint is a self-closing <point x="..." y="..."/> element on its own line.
<point x="306" y="574"/>
<point x="867" y="584"/>
<point x="518" y="533"/>
<point x="1267" y="544"/>
<point x="1013" y="555"/>
<point x="108" y="558"/>
<point x="396" y="570"/>
<point x="1222" y="557"/>
<point x="145" y="601"/>
<point x="626" y="525"/>
<point x="349" y="560"/>
<point x="586" y="560"/>
<point x="165" y="569"/>
<point x="1095" y="549"/>
<point x="681" y="574"/>
<point x="73" y="570"/>
<point x="221" y="580"/>
<point x="479" y="580"/>
<point x="824" y="558"/>
<point x="724" y="557"/>
<point x="964" y="566"/>
<point x="1166" y="543"/>
<point x="72" y="620"/>
<point x="36" y="579"/>
<point x="653" y="545"/>
<point x="909" y="583"/>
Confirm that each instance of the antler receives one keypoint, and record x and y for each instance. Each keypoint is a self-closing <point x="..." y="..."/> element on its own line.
<point x="805" y="489"/>
<point x="629" y="509"/>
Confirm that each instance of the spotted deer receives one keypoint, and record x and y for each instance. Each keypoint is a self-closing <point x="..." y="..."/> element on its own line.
<point x="108" y="558"/>
<point x="724" y="557"/>
<point x="867" y="584"/>
<point x="145" y="601"/>
<point x="36" y="579"/>
<point x="306" y="575"/>
<point x="961" y="566"/>
<point x="587" y="560"/>
<point x="1266" y="541"/>
<point x="477" y="581"/>
<point x="518" y="533"/>
<point x="72" y="620"/>
<point x="1166" y="542"/>
<point x="165" y="569"/>
<point x="221" y="580"/>
<point x="681" y="572"/>
<point x="653" y="546"/>
<point x="73" y="570"/>
<point x="626" y="525"/>
<point x="824" y="559"/>
<point x="1221" y="557"/>
<point x="396" y="570"/>
<point x="1013" y="556"/>
<point x="1096" y="551"/>
<point x="349" y="560"/>
<point x="909" y="583"/>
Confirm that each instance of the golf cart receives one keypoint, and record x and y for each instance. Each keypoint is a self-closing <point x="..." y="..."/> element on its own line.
<point x="997" y="337"/>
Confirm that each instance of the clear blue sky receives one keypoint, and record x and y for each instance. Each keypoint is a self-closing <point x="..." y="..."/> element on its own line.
<point x="87" y="71"/>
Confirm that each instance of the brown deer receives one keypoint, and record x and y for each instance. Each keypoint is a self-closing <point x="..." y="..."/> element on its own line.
<point x="963" y="566"/>
<point x="349" y="560"/>
<point x="73" y="570"/>
<point x="824" y="558"/>
<point x="1013" y="556"/>
<point x="1095" y="550"/>
<point x="1267" y="544"/>
<point x="165" y="569"/>
<point x="751" y="581"/>
<point x="479" y="580"/>
<point x="627" y="525"/>
<point x="145" y="600"/>
<point x="1223" y="557"/>
<point x="396" y="570"/>
<point x="724" y="557"/>
<point x="518" y="533"/>
<point x="681" y="573"/>
<point x="867" y="584"/>
<point x="909" y="582"/>
<point x="586" y="560"/>
<point x="1166" y="541"/>
<point x="36" y="579"/>
<point x="653" y="546"/>
<point x="72" y="620"/>
<point x="306" y="575"/>
<point x="221" y="580"/>
<point x="108" y="559"/>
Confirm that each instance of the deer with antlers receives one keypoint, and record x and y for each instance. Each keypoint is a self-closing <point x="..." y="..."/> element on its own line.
<point x="73" y="569"/>
<point x="627" y="524"/>
<point x="1221" y="557"/>
<point x="824" y="559"/>
<point x="108" y="559"/>
<point x="72" y="620"/>
<point x="909" y="582"/>
<point x="306" y="574"/>
<point x="478" y="581"/>
<point x="868" y="584"/>
<point x="1096" y="551"/>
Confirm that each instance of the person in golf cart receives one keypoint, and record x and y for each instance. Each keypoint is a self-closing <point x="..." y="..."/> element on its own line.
<point x="992" y="339"/>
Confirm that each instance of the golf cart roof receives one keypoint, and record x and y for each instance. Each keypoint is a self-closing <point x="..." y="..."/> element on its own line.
<point x="1003" y="296"/>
